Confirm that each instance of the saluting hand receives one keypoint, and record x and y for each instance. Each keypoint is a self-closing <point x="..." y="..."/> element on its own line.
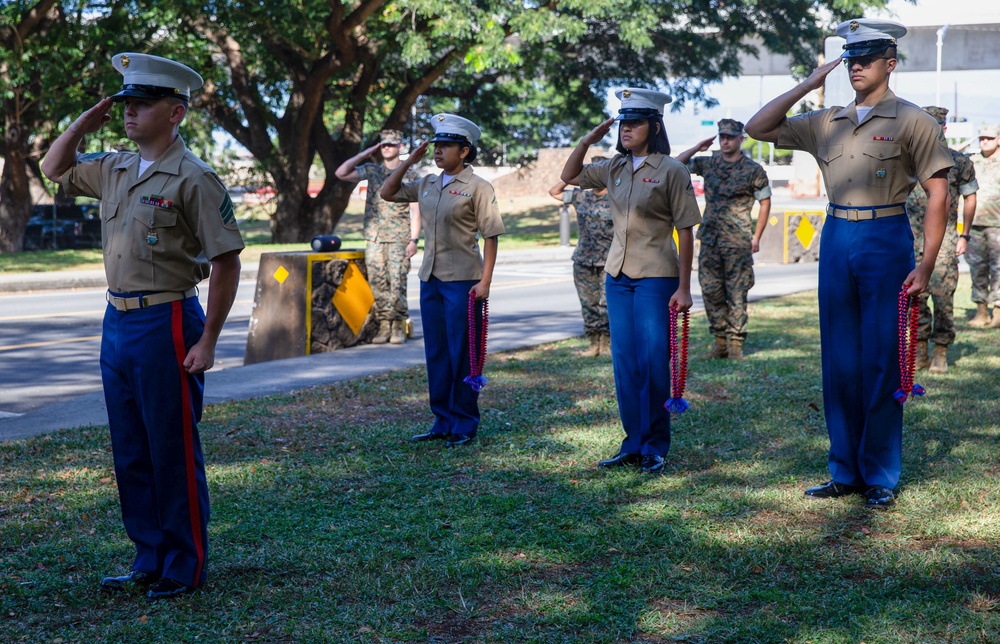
<point x="93" y="119"/>
<point x="598" y="133"/>
<point x="818" y="75"/>
<point x="370" y="150"/>
<point x="705" y="145"/>
<point x="418" y="153"/>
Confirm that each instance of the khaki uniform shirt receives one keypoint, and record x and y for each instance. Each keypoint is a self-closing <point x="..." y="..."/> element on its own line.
<point x="875" y="163"/>
<point x="385" y="221"/>
<point x="451" y="216"/>
<point x="646" y="205"/>
<point x="988" y="199"/>
<point x="159" y="231"/>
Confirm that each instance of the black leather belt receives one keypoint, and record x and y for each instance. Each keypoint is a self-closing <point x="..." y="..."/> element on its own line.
<point x="132" y="303"/>
<point x="864" y="213"/>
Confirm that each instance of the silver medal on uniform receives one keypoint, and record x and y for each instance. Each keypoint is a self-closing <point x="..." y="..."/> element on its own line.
<point x="618" y="182"/>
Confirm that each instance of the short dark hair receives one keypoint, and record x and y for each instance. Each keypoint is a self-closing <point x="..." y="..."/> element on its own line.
<point x="656" y="140"/>
<point x="890" y="52"/>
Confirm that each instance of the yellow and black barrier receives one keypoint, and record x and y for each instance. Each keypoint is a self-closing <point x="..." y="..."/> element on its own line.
<point x="791" y="236"/>
<point x="307" y="302"/>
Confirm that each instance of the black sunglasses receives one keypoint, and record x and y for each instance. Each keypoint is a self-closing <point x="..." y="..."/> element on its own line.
<point x="865" y="61"/>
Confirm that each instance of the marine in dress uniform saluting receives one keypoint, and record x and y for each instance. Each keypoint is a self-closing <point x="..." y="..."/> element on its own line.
<point x="166" y="220"/>
<point x="651" y="195"/>
<point x="456" y="207"/>
<point x="728" y="236"/>
<point x="871" y="153"/>
<point x="391" y="233"/>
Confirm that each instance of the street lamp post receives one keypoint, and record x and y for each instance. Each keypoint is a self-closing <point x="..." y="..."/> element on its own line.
<point x="940" y="44"/>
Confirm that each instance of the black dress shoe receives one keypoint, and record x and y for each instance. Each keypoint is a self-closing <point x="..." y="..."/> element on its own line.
<point x="621" y="460"/>
<point x="457" y="440"/>
<point x="167" y="588"/>
<point x="429" y="436"/>
<point x="137" y="577"/>
<point x="653" y="464"/>
<point x="879" y="497"/>
<point x="833" y="490"/>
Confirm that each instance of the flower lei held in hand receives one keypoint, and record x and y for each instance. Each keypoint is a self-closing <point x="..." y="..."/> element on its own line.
<point x="678" y="362"/>
<point x="909" y="319"/>
<point x="477" y="343"/>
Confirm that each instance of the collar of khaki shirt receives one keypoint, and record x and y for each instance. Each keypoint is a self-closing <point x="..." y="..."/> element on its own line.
<point x="461" y="177"/>
<point x="170" y="162"/>
<point x="887" y="106"/>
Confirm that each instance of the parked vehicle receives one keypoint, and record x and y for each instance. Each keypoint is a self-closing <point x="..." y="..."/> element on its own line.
<point x="54" y="226"/>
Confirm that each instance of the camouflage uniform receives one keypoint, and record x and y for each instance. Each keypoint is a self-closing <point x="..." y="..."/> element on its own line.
<point x="983" y="252"/>
<point x="593" y="216"/>
<point x="725" y="263"/>
<point x="939" y="326"/>
<point x="387" y="232"/>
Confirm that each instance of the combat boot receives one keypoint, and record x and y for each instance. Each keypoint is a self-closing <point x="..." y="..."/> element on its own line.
<point x="735" y="349"/>
<point x="383" y="333"/>
<point x="982" y="317"/>
<point x="939" y="361"/>
<point x="996" y="317"/>
<point x="923" y="360"/>
<point x="396" y="335"/>
<point x="719" y="349"/>
<point x="595" y="346"/>
<point x="605" y="344"/>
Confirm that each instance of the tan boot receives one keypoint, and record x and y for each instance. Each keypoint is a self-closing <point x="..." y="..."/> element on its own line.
<point x="396" y="335"/>
<point x="735" y="349"/>
<point x="996" y="318"/>
<point x="923" y="360"/>
<point x="982" y="317"/>
<point x="605" y="344"/>
<point x="383" y="333"/>
<point x="594" y="349"/>
<point x="939" y="361"/>
<point x="719" y="349"/>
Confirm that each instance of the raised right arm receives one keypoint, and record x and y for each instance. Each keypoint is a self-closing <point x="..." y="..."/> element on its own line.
<point x="62" y="154"/>
<point x="764" y="125"/>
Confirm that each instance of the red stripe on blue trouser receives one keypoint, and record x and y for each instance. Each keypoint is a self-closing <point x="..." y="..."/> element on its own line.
<point x="154" y="408"/>
<point x="862" y="266"/>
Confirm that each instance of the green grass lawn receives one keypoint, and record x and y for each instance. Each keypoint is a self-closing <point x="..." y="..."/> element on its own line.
<point x="328" y="526"/>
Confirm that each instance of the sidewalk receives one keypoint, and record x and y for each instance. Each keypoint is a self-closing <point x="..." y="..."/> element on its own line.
<point x="94" y="278"/>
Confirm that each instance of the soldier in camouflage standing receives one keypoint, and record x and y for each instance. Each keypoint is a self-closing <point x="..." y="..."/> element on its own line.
<point x="939" y="326"/>
<point x="593" y="217"/>
<point x="983" y="254"/>
<point x="391" y="235"/>
<point x="728" y="238"/>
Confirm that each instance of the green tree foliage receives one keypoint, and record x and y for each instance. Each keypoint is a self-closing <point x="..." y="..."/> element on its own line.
<point x="305" y="82"/>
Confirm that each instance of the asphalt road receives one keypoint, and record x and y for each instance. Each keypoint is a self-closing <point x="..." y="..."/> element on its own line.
<point x="50" y="341"/>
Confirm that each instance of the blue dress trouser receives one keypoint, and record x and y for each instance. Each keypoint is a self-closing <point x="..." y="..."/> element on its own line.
<point x="862" y="266"/>
<point x="444" y="314"/>
<point x="639" y="317"/>
<point x="154" y="407"/>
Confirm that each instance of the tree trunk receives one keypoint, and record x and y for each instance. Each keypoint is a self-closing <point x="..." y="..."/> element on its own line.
<point x="15" y="192"/>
